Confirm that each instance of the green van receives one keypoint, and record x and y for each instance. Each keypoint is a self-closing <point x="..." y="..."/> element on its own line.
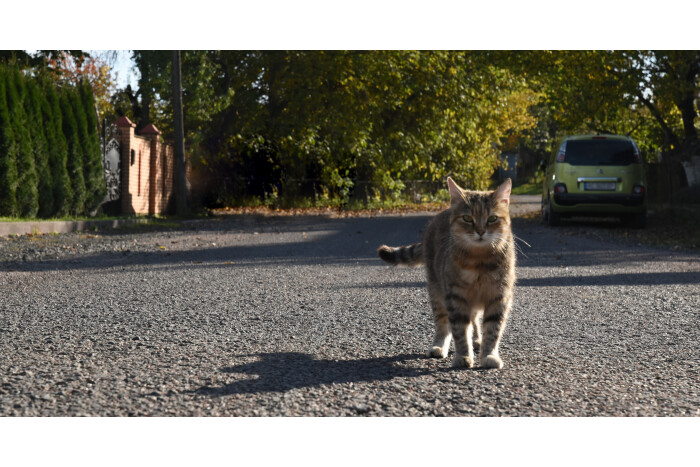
<point x="595" y="175"/>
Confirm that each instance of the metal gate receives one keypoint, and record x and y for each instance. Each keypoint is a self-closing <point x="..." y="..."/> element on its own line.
<point x="111" y="161"/>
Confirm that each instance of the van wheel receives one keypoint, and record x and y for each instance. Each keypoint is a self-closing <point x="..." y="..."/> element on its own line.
<point x="553" y="218"/>
<point x="544" y="209"/>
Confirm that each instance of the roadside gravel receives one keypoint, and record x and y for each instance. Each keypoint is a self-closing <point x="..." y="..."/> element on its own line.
<point x="253" y="315"/>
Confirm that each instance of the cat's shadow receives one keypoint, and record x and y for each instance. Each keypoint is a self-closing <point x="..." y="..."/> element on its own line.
<point x="280" y="372"/>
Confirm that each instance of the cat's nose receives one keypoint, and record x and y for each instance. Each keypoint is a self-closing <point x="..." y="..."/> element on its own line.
<point x="481" y="232"/>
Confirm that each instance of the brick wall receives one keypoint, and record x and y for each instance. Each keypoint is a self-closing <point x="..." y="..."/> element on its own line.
<point x="147" y="170"/>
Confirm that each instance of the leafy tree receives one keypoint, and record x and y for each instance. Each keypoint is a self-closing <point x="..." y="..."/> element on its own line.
<point x="649" y="95"/>
<point x="341" y="125"/>
<point x="75" y="67"/>
<point x="668" y="86"/>
<point x="364" y="120"/>
<point x="154" y="80"/>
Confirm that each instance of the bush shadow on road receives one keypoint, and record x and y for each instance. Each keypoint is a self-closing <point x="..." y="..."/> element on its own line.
<point x="333" y="241"/>
<point x="353" y="240"/>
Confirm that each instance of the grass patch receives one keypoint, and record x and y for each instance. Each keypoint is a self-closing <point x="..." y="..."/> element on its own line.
<point x="60" y="219"/>
<point x="150" y="225"/>
<point x="527" y="189"/>
<point x="331" y="211"/>
<point x="322" y="203"/>
<point x="533" y="185"/>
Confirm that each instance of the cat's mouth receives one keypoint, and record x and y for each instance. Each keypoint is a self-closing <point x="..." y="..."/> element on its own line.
<point x="484" y="241"/>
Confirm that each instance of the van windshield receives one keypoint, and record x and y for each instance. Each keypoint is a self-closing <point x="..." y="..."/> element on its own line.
<point x="599" y="152"/>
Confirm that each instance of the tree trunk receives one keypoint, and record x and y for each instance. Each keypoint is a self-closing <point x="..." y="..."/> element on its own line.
<point x="181" y="193"/>
<point x="688" y="115"/>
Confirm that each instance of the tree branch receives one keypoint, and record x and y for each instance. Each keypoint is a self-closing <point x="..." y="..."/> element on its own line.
<point x="668" y="132"/>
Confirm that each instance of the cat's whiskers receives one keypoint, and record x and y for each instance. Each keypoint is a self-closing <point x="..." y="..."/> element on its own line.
<point x="517" y="247"/>
<point x="499" y="246"/>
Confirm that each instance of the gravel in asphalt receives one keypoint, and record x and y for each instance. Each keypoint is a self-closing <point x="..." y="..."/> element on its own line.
<point x="254" y="315"/>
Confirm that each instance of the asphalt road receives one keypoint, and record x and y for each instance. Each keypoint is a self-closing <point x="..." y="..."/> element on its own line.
<point x="291" y="316"/>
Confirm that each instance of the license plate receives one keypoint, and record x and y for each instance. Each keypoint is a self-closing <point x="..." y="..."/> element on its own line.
<point x="599" y="186"/>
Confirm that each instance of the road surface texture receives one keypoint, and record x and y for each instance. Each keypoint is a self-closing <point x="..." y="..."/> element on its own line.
<point x="255" y="315"/>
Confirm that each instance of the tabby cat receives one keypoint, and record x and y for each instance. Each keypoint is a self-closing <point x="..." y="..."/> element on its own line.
<point x="469" y="255"/>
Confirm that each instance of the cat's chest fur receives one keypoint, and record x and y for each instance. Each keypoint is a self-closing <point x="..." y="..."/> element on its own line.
<point x="479" y="274"/>
<point x="478" y="279"/>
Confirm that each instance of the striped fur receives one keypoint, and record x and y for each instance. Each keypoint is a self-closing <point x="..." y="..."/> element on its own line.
<point x="411" y="255"/>
<point x="469" y="255"/>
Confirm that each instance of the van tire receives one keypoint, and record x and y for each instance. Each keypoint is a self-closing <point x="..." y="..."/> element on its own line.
<point x="553" y="218"/>
<point x="544" y="210"/>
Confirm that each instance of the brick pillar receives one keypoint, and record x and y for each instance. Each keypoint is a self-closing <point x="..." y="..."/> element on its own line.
<point x="155" y="193"/>
<point x="126" y="146"/>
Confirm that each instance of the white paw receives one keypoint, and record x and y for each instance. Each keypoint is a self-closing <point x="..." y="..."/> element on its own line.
<point x="437" y="352"/>
<point x="461" y="361"/>
<point x="492" y="361"/>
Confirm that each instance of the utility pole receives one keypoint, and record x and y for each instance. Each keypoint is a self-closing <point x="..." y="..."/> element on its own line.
<point x="181" y="193"/>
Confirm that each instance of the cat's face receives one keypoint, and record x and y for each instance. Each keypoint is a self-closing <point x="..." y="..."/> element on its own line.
<point x="480" y="219"/>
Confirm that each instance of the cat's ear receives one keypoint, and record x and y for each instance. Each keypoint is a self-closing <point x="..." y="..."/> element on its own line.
<point x="456" y="193"/>
<point x="502" y="193"/>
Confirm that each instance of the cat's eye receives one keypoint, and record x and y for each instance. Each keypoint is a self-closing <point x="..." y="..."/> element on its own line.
<point x="492" y="219"/>
<point x="468" y="219"/>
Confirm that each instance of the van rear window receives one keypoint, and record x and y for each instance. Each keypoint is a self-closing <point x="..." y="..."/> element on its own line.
<point x="599" y="152"/>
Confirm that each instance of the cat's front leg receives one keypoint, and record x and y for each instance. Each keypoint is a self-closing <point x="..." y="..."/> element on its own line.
<point x="460" y="317"/>
<point x="443" y="334"/>
<point x="464" y="349"/>
<point x="477" y="332"/>
<point x="494" y="323"/>
<point x="442" y="338"/>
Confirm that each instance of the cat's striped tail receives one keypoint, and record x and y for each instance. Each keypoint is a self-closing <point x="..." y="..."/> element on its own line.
<point x="411" y="255"/>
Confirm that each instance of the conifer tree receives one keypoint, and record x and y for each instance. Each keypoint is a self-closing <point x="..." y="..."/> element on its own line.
<point x="8" y="170"/>
<point x="58" y="149"/>
<point x="92" y="163"/>
<point x="75" y="159"/>
<point x="81" y="127"/>
<point x="27" y="194"/>
<point x="41" y="156"/>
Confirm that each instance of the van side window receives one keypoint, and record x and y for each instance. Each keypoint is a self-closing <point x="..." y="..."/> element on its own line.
<point x="561" y="149"/>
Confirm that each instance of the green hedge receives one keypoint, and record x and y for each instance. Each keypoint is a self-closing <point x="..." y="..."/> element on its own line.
<point x="50" y="158"/>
